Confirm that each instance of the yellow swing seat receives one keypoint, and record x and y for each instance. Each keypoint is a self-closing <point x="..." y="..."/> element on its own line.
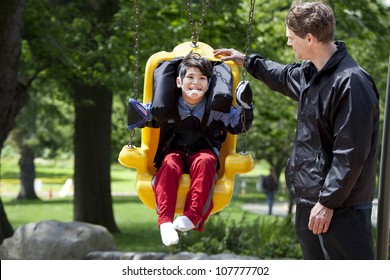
<point x="141" y="158"/>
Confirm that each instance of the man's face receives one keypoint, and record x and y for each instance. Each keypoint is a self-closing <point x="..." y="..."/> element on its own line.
<point x="194" y="85"/>
<point x="299" y="45"/>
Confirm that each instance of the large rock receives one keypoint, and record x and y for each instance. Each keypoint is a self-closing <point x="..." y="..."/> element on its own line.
<point x="54" y="240"/>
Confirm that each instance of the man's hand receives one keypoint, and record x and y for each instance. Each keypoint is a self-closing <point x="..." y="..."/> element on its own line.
<point x="230" y="54"/>
<point x="320" y="217"/>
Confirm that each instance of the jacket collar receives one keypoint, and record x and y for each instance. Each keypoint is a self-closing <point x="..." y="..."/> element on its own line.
<point x="186" y="111"/>
<point x="339" y="54"/>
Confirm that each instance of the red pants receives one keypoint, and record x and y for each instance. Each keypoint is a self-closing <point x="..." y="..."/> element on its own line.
<point x="202" y="170"/>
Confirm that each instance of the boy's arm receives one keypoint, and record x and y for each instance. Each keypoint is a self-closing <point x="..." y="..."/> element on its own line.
<point x="233" y="121"/>
<point x="241" y="117"/>
<point x="244" y="94"/>
<point x="138" y="114"/>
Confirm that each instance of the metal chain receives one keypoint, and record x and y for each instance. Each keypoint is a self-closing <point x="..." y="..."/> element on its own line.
<point x="248" y="37"/>
<point x="195" y="30"/>
<point x="244" y="72"/>
<point x="136" y="48"/>
<point x="243" y="132"/>
<point x="131" y="136"/>
<point x="136" y="62"/>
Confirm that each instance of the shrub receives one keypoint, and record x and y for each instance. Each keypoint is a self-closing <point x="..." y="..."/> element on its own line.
<point x="266" y="237"/>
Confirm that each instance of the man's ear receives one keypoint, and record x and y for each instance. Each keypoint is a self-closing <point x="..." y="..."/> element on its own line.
<point x="310" y="38"/>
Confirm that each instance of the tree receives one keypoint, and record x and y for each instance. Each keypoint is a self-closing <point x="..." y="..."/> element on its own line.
<point x="272" y="132"/>
<point x="362" y="24"/>
<point x="12" y="94"/>
<point x="21" y="135"/>
<point x="87" y="47"/>
<point x="365" y="28"/>
<point x="43" y="129"/>
<point x="72" y="38"/>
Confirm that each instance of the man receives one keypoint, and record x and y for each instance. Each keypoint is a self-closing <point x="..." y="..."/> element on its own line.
<point x="332" y="168"/>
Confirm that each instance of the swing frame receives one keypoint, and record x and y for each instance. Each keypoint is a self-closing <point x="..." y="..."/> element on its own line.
<point x="141" y="158"/>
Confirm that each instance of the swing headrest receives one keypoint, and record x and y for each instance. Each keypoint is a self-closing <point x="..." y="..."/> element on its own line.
<point x="165" y="91"/>
<point x="229" y="70"/>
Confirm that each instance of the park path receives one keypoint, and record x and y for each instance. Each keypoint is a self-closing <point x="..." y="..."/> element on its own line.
<point x="280" y="208"/>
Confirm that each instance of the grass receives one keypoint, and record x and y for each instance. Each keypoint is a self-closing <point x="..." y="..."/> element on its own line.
<point x="137" y="223"/>
<point x="138" y="226"/>
<point x="53" y="175"/>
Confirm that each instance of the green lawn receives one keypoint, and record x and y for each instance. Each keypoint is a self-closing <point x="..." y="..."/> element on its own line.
<point x="53" y="175"/>
<point x="136" y="222"/>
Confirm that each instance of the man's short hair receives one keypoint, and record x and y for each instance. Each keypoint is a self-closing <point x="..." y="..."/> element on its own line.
<point x="316" y="18"/>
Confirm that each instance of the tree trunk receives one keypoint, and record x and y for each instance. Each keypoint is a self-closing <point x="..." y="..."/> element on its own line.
<point x="92" y="181"/>
<point x="27" y="174"/>
<point x="12" y="94"/>
<point x="6" y="229"/>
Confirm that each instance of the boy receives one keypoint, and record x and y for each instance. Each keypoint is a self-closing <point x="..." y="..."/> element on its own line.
<point x="190" y="144"/>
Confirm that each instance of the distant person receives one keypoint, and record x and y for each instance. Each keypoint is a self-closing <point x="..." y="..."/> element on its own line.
<point x="270" y="186"/>
<point x="332" y="167"/>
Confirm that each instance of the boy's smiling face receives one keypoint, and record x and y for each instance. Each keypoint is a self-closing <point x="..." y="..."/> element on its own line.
<point x="194" y="85"/>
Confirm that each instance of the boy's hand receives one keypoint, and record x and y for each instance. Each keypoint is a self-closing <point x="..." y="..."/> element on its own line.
<point x="137" y="114"/>
<point x="244" y="94"/>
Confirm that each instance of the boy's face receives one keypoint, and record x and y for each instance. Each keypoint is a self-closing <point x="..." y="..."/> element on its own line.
<point x="194" y="85"/>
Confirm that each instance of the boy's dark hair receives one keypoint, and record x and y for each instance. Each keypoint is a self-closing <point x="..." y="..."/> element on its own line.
<point x="316" y="18"/>
<point x="195" y="60"/>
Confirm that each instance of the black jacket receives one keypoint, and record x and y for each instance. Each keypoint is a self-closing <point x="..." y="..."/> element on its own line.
<point x="192" y="134"/>
<point x="334" y="156"/>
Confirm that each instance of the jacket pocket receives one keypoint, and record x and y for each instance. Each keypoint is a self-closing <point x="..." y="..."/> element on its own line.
<point x="322" y="161"/>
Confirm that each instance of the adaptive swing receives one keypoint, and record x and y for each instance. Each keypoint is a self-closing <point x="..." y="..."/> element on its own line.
<point x="141" y="158"/>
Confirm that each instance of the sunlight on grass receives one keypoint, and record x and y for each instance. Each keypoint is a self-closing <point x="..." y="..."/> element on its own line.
<point x="122" y="179"/>
<point x="52" y="175"/>
<point x="137" y="223"/>
<point x="138" y="226"/>
<point x="23" y="212"/>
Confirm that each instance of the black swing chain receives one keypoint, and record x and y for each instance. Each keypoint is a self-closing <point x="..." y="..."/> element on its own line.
<point x="194" y="37"/>
<point x="196" y="29"/>
<point x="136" y="62"/>
<point x="248" y="37"/>
<point x="136" y="48"/>
<point x="244" y="72"/>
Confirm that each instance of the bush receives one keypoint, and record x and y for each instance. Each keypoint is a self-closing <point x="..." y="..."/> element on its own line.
<point x="266" y="237"/>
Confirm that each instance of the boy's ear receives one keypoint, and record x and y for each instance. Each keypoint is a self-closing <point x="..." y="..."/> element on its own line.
<point x="178" y="82"/>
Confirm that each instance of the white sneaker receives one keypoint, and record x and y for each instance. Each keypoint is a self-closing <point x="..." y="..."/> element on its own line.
<point x="169" y="235"/>
<point x="182" y="223"/>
